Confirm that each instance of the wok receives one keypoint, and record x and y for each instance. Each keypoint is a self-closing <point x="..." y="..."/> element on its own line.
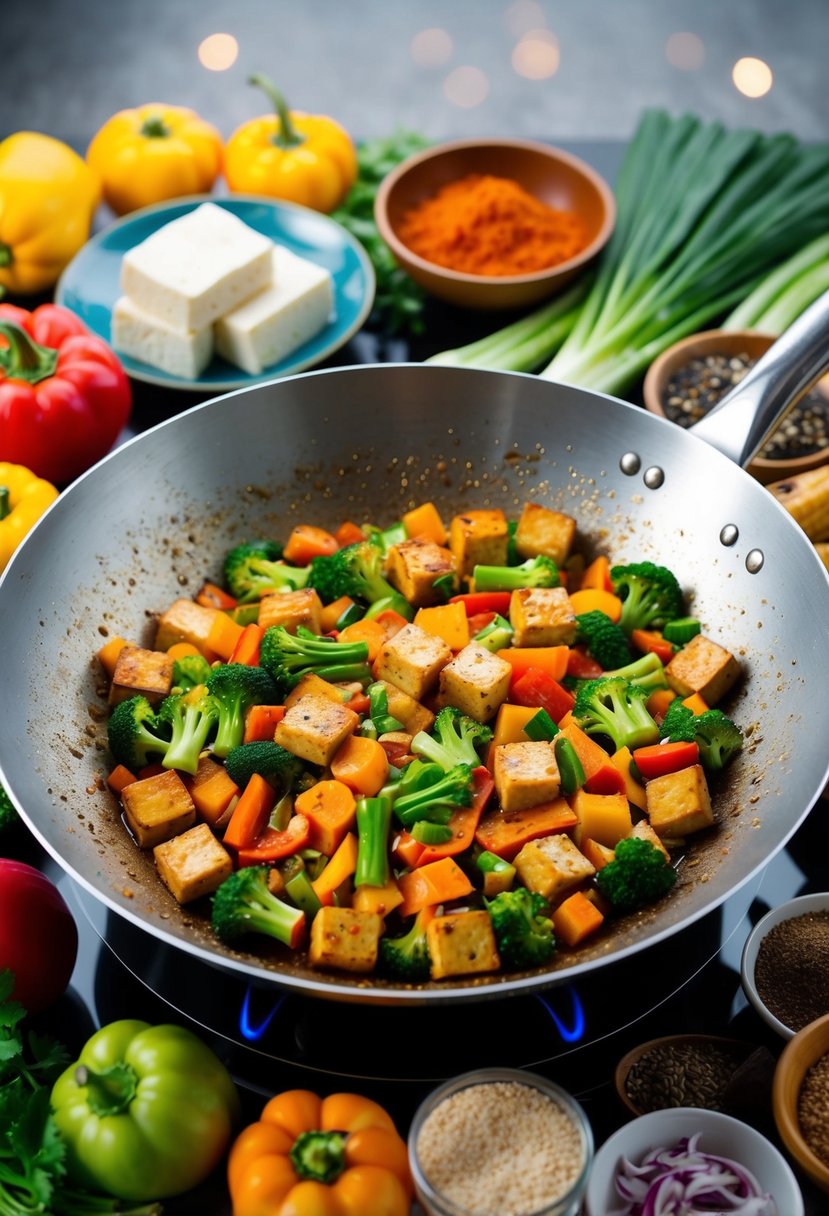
<point x="153" y="519"/>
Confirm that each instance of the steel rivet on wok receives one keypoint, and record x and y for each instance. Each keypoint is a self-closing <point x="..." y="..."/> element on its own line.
<point x="729" y="534"/>
<point x="754" y="561"/>
<point x="630" y="464"/>
<point x="654" y="477"/>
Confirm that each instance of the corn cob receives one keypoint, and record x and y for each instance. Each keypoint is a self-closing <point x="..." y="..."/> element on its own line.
<point x="806" y="497"/>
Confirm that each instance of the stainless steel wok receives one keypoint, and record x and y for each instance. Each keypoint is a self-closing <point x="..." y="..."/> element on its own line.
<point x="149" y="522"/>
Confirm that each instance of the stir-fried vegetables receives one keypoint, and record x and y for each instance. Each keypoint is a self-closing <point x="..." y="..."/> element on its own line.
<point x="468" y="785"/>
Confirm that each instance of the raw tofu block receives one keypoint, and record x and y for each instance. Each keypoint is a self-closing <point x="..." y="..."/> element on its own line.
<point x="157" y="808"/>
<point x="476" y="681"/>
<point x="185" y="621"/>
<point x="412" y="567"/>
<point x="345" y="939"/>
<point x="197" y="268"/>
<point x="462" y="943"/>
<point x="193" y="864"/>
<point x="139" y="671"/>
<point x="314" y="728"/>
<point x="542" y="616"/>
<point x="414" y="716"/>
<point x="291" y="608"/>
<point x="702" y="666"/>
<point x="140" y="335"/>
<point x="412" y="660"/>
<point x="525" y="775"/>
<point x="478" y="538"/>
<point x="542" y="531"/>
<point x="276" y="321"/>
<point x="552" y="866"/>
<point x="678" y="803"/>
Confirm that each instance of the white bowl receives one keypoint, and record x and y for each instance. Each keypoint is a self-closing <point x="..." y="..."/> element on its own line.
<point x="793" y="907"/>
<point x="720" y="1134"/>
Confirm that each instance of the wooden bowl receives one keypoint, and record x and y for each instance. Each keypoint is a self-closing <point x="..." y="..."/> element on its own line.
<point x="672" y="1040"/>
<point x="726" y="342"/>
<point x="799" y="1054"/>
<point x="552" y="175"/>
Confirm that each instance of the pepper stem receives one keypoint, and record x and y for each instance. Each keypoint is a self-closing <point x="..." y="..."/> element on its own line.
<point x="110" y="1091"/>
<point x="6" y="255"/>
<point x="287" y="136"/>
<point x="5" y="502"/>
<point x="155" y="127"/>
<point x="25" y="359"/>
<point x="319" y="1156"/>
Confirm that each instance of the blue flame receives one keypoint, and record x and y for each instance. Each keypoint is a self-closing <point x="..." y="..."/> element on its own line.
<point x="253" y="1033"/>
<point x="572" y="1031"/>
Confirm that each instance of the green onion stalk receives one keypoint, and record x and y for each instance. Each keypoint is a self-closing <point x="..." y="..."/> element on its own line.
<point x="780" y="298"/>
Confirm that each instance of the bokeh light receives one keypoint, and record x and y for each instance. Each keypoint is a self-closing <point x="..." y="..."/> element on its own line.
<point x="685" y="51"/>
<point x="466" y="87"/>
<point x="536" y="55"/>
<point x="218" y="52"/>
<point x="523" y="16"/>
<point x="431" y="48"/>
<point x="752" y="77"/>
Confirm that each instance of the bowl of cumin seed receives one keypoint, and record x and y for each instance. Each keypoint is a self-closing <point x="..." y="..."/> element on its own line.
<point x="711" y="1072"/>
<point x="785" y="964"/>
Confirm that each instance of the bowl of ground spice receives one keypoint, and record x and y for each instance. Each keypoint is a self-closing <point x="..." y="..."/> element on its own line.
<point x="500" y="1142"/>
<point x="707" y="1071"/>
<point x="801" y="1099"/>
<point x="494" y="224"/>
<point x="785" y="964"/>
<point x="692" y="376"/>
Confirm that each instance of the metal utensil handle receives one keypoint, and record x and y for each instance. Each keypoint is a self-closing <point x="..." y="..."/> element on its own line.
<point x="738" y="426"/>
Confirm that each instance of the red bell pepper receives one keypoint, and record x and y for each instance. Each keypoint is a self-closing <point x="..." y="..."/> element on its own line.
<point x="464" y="820"/>
<point x="539" y="690"/>
<point x="64" y="396"/>
<point x="651" y="641"/>
<point x="658" y="759"/>
<point x="582" y="666"/>
<point x="274" y="845"/>
<point x="483" y="601"/>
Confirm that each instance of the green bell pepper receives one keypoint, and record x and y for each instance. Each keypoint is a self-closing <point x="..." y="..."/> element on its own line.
<point x="146" y="1111"/>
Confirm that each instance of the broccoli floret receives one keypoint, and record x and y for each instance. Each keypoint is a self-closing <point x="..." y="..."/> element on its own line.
<point x="650" y="595"/>
<point x="235" y="687"/>
<point x="678" y="723"/>
<point x="453" y="740"/>
<point x="244" y="904"/>
<point x="537" y="571"/>
<point x="718" y="738"/>
<point x="8" y="814"/>
<point x="192" y="717"/>
<point x="288" y="657"/>
<point x="638" y="875"/>
<point x="611" y="706"/>
<point x="606" y="641"/>
<point x="280" y="768"/>
<point x="436" y="800"/>
<point x="135" y="733"/>
<point x="189" y="671"/>
<point x="646" y="672"/>
<point x="523" y="930"/>
<point x="356" y="571"/>
<point x="254" y="569"/>
<point x="406" y="959"/>
<point x="384" y="538"/>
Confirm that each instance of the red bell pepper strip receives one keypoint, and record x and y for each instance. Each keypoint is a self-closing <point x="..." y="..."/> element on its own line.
<point x="650" y="641"/>
<point x="212" y="596"/>
<point x="246" y="650"/>
<point x="483" y="601"/>
<point x="479" y="621"/>
<point x="658" y="759"/>
<point x="64" y="396"/>
<point x="273" y="844"/>
<point x="539" y="690"/>
<point x="261" y="722"/>
<point x="464" y="821"/>
<point x="582" y="666"/>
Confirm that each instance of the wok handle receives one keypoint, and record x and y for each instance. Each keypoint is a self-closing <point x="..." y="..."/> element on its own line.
<point x="738" y="426"/>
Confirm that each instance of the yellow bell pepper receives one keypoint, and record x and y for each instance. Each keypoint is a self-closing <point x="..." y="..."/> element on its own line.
<point x="152" y="153"/>
<point x="302" y="158"/>
<point x="48" y="197"/>
<point x="23" y="499"/>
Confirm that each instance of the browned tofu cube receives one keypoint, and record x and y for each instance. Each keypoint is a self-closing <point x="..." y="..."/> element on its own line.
<point x="552" y="865"/>
<point x="412" y="660"/>
<point x="478" y="538"/>
<point x="139" y="671"/>
<point x="476" y="682"/>
<point x="526" y="774"/>
<point x="546" y="532"/>
<point x="705" y="667"/>
<point x="542" y="616"/>
<point x="462" y="943"/>
<point x="158" y="808"/>
<point x="291" y="608"/>
<point x="643" y="831"/>
<point x="185" y="621"/>
<point x="414" y="716"/>
<point x="412" y="567"/>
<point x="192" y="864"/>
<point x="678" y="803"/>
<point x="345" y="939"/>
<point x="314" y="728"/>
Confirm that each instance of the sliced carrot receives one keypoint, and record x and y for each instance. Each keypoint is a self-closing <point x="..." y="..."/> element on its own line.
<point x="261" y="722"/>
<point x="596" y="575"/>
<point x="392" y="622"/>
<point x="307" y="542"/>
<point x="381" y="900"/>
<point x="246" y="650"/>
<point x="348" y="533"/>
<point x="341" y="867"/>
<point x="212" y="596"/>
<point x="109" y="652"/>
<point x="576" y="918"/>
<point x="405" y="850"/>
<point x="550" y="659"/>
<point x="600" y="773"/>
<point x="369" y="631"/>
<point x="658" y="702"/>
<point x="251" y="813"/>
<point x="506" y="832"/>
<point x="437" y="883"/>
<point x="651" y="641"/>
<point x="274" y="844"/>
<point x="330" y="809"/>
<point x="223" y="635"/>
<point x="119" y="778"/>
<point x="331" y="613"/>
<point x="361" y="765"/>
<point x="425" y="521"/>
<point x="464" y="821"/>
<point x="448" y="622"/>
<point x="212" y="790"/>
<point x="595" y="599"/>
<point x="659" y="759"/>
<point x="182" y="650"/>
<point x="696" y="704"/>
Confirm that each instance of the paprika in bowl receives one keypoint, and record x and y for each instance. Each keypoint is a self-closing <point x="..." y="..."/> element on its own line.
<point x="491" y="224"/>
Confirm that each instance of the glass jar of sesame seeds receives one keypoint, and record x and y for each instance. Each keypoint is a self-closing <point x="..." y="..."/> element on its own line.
<point x="500" y="1142"/>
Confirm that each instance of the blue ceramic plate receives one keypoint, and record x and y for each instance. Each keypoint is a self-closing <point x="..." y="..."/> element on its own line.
<point x="89" y="284"/>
